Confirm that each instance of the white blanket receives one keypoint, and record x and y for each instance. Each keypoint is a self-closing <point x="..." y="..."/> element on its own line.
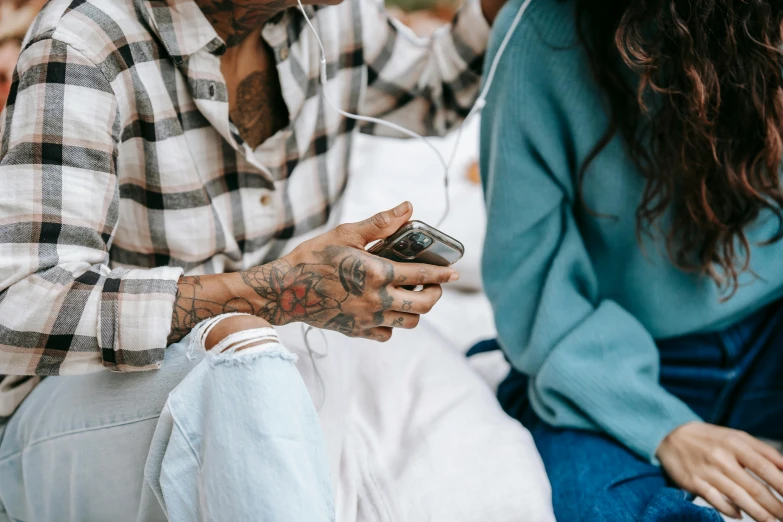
<point x="414" y="434"/>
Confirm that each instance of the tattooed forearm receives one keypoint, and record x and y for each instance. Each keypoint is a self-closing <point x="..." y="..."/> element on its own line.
<point x="197" y="300"/>
<point x="337" y="288"/>
<point x="235" y="19"/>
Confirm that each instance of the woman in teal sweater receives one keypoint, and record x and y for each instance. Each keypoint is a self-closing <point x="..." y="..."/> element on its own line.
<point x="631" y="154"/>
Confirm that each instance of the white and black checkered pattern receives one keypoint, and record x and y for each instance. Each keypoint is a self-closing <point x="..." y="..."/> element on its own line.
<point x="120" y="169"/>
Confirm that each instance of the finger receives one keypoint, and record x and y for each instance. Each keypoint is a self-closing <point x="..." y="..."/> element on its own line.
<point x="716" y="499"/>
<point x="380" y="334"/>
<point x="416" y="302"/>
<point x="754" y="487"/>
<point x="411" y="274"/>
<point x="765" y="449"/>
<point x="763" y="468"/>
<point x="401" y="320"/>
<point x="740" y="497"/>
<point x="379" y="226"/>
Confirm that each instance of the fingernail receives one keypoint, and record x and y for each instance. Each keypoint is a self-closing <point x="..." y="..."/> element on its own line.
<point x="400" y="210"/>
<point x="454" y="277"/>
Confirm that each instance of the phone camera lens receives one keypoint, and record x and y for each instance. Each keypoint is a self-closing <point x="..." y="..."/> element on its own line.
<point x="416" y="237"/>
<point x="417" y="247"/>
<point x="401" y="246"/>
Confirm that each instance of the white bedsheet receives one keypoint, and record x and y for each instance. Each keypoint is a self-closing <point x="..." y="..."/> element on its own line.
<point x="414" y="434"/>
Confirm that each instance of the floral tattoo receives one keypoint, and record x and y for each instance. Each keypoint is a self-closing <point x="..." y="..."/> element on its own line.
<point x="314" y="293"/>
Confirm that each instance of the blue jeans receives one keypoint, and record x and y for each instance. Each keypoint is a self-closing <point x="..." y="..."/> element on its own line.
<point x="221" y="437"/>
<point x="732" y="378"/>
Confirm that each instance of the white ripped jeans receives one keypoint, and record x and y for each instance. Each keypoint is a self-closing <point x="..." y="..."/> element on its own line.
<point x="212" y="437"/>
<point x="411" y="433"/>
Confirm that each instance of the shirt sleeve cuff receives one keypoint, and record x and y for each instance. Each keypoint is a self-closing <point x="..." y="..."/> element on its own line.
<point x="135" y="317"/>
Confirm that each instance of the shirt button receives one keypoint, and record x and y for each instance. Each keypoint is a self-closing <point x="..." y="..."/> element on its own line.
<point x="212" y="91"/>
<point x="284" y="54"/>
<point x="265" y="200"/>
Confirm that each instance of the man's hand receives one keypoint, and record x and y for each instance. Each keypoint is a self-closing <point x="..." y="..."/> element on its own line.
<point x="329" y="282"/>
<point x="714" y="463"/>
<point x="332" y="282"/>
<point x="491" y="8"/>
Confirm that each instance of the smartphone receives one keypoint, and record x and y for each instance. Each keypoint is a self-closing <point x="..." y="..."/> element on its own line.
<point x="417" y="242"/>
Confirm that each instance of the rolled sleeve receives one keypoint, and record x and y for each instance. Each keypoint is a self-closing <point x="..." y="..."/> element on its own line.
<point x="135" y="317"/>
<point x="62" y="309"/>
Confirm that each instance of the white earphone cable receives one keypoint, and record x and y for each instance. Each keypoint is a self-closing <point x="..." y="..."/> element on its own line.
<point x="482" y="99"/>
<point x="480" y="102"/>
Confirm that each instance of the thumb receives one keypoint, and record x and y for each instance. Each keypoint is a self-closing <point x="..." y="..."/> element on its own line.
<point x="379" y="226"/>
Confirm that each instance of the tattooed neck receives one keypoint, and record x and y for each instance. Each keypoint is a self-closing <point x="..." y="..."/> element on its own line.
<point x="235" y="19"/>
<point x="259" y="110"/>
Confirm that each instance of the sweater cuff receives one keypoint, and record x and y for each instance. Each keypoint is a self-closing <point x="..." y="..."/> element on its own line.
<point x="661" y="430"/>
<point x="643" y="432"/>
<point x="135" y="317"/>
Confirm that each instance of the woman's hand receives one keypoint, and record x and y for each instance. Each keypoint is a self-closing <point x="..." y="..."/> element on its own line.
<point x="711" y="461"/>
<point x="332" y="282"/>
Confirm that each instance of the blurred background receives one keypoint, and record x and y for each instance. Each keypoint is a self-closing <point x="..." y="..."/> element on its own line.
<point x="15" y="18"/>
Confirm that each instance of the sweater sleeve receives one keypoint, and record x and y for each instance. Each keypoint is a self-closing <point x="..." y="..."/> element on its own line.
<point x="592" y="365"/>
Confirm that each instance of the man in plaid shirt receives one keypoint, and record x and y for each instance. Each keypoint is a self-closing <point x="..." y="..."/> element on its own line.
<point x="155" y="159"/>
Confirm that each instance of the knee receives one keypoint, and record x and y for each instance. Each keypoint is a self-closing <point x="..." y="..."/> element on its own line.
<point x="624" y="498"/>
<point x="593" y="477"/>
<point x="240" y="339"/>
<point x="232" y="325"/>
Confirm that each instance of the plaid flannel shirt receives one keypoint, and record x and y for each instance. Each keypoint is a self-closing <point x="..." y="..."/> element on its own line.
<point x="120" y="169"/>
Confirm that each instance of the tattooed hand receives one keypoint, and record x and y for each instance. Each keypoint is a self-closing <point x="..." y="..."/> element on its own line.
<point x="329" y="282"/>
<point x="332" y="282"/>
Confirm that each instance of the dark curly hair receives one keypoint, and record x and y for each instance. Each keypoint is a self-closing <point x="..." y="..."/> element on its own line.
<point x="702" y="117"/>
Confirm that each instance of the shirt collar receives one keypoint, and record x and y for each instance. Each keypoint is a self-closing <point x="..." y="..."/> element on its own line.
<point x="184" y="30"/>
<point x="181" y="27"/>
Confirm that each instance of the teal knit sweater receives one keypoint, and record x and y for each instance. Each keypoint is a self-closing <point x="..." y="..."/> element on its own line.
<point x="578" y="302"/>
